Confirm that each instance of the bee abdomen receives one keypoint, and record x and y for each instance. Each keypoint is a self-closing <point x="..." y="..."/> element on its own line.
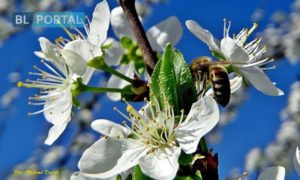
<point x="220" y="84"/>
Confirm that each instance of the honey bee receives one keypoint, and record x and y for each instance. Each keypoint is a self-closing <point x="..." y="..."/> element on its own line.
<point x="206" y="72"/>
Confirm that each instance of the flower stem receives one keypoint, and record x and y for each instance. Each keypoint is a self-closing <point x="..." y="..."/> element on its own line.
<point x="149" y="55"/>
<point x="99" y="63"/>
<point x="120" y="75"/>
<point x="80" y="88"/>
<point x="102" y="89"/>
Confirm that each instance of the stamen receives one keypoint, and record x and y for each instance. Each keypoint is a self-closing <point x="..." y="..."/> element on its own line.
<point x="122" y="114"/>
<point x="255" y="25"/>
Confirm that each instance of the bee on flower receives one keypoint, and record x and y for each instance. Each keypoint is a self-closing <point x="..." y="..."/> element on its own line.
<point x="247" y="58"/>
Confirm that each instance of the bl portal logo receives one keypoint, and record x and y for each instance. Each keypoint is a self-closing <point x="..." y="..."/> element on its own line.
<point x="48" y="19"/>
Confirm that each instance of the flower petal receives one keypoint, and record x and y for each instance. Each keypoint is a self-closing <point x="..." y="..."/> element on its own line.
<point x="272" y="173"/>
<point x="204" y="35"/>
<point x="55" y="131"/>
<point x="203" y="117"/>
<point x="161" y="164"/>
<point x="109" y="157"/>
<point x="232" y="51"/>
<point x="235" y="84"/>
<point x="99" y="24"/>
<point x="116" y="82"/>
<point x="75" y="62"/>
<point x="48" y="50"/>
<point x="58" y="112"/>
<point x="261" y="81"/>
<point x="81" y="176"/>
<point x="87" y="50"/>
<point x="58" y="107"/>
<point x="296" y="161"/>
<point x="120" y="24"/>
<point x="109" y="128"/>
<point x="167" y="31"/>
<point x="86" y="77"/>
<point x="114" y="53"/>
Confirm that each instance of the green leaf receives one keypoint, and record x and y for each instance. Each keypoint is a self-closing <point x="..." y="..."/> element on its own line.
<point x="185" y="84"/>
<point x="172" y="78"/>
<point x="203" y="145"/>
<point x="138" y="174"/>
<point x="185" y="159"/>
<point x="163" y="80"/>
<point x="196" y="176"/>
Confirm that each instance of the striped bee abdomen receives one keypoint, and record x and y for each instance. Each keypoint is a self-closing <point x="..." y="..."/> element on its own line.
<point x="221" y="85"/>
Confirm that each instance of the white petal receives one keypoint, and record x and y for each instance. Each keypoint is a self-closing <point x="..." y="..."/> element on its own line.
<point x="202" y="118"/>
<point x="101" y="156"/>
<point x="75" y="62"/>
<point x="261" y="81"/>
<point x="86" y="77"/>
<point x="81" y="176"/>
<point x="296" y="161"/>
<point x="48" y="50"/>
<point x="116" y="82"/>
<point x="204" y="35"/>
<point x="113" y="54"/>
<point x="40" y="54"/>
<point x="272" y="173"/>
<point x="167" y="31"/>
<point x="120" y="24"/>
<point x="161" y="164"/>
<point x="55" y="131"/>
<point x="235" y="84"/>
<point x="109" y="128"/>
<point x="58" y="108"/>
<point x="109" y="157"/>
<point x="83" y="48"/>
<point x="232" y="51"/>
<point x="99" y="24"/>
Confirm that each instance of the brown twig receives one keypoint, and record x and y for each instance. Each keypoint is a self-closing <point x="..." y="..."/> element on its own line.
<point x="139" y="32"/>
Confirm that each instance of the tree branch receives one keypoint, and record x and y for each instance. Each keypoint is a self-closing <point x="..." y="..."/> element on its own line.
<point x="149" y="55"/>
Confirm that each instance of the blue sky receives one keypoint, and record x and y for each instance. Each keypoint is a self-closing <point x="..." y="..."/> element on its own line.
<point x="257" y="120"/>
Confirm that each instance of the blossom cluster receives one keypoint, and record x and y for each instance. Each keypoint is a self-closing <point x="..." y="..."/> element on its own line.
<point x="168" y="127"/>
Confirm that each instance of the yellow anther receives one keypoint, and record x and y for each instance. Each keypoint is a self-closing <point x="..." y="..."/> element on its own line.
<point x="129" y="108"/>
<point x="19" y="84"/>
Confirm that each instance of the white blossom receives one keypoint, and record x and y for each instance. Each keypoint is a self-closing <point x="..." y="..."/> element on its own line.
<point x="65" y="65"/>
<point x="156" y="144"/>
<point x="246" y="57"/>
